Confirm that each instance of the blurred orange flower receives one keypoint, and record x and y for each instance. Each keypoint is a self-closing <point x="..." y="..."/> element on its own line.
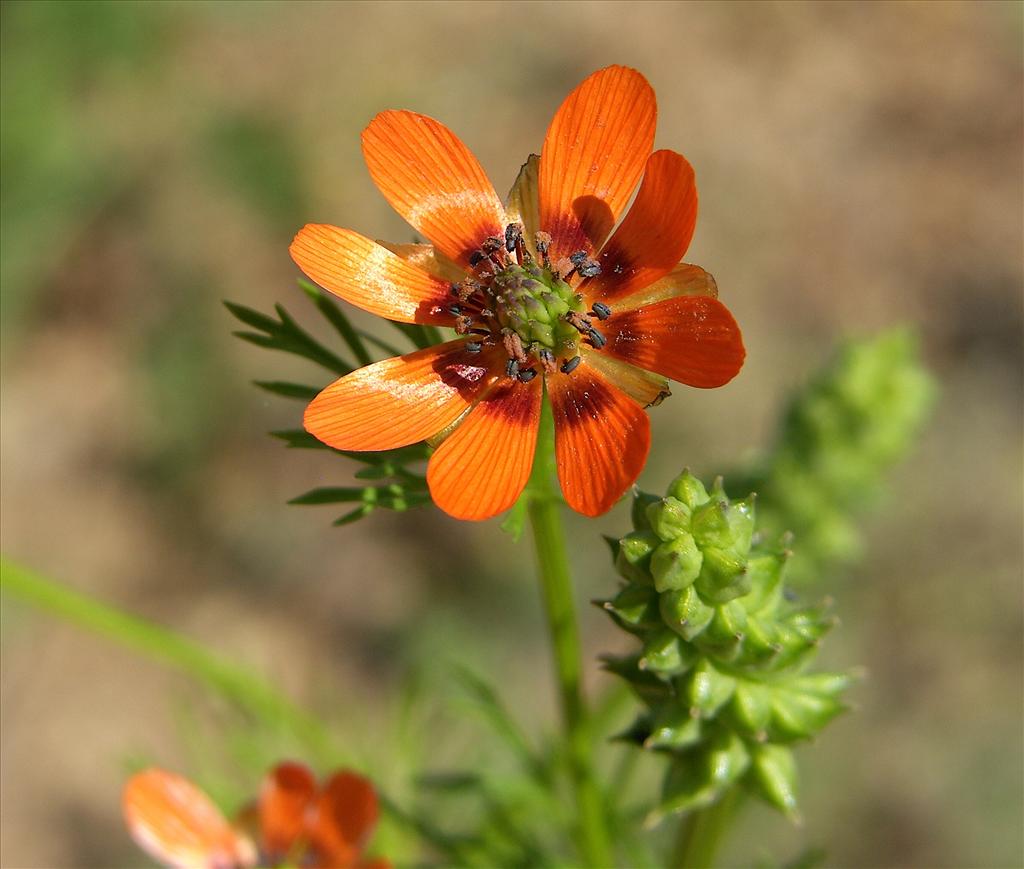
<point x="539" y="291"/>
<point x="293" y="822"/>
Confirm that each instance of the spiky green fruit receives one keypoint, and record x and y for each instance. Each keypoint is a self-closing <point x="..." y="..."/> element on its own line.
<point x="723" y="653"/>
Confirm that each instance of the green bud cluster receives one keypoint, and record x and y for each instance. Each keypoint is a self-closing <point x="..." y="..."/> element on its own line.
<point x="724" y="651"/>
<point x="532" y="302"/>
<point x="840" y="434"/>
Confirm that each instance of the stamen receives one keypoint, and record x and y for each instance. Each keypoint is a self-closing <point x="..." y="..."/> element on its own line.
<point x="514" y="346"/>
<point x="583" y="264"/>
<point x="527" y="375"/>
<point x="578" y="321"/>
<point x="493" y="248"/>
<point x="597" y="339"/>
<point x="547" y="359"/>
<point x="463" y="324"/>
<point x="542" y="240"/>
<point x="455" y="310"/>
<point x="563" y="268"/>
<point x="570" y="365"/>
<point x="475" y="258"/>
<point x="601" y="311"/>
<point x="465" y="290"/>
<point x="512" y="368"/>
<point x="473" y="346"/>
<point x="513" y="233"/>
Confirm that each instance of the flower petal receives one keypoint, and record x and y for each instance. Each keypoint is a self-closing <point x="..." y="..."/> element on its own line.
<point x="481" y="469"/>
<point x="523" y="201"/>
<point x="370" y="276"/>
<point x="602" y="438"/>
<point x="286" y="795"/>
<point x="683" y="280"/>
<point x="178" y="825"/>
<point x="433" y="180"/>
<point x="345" y="816"/>
<point x="645" y="388"/>
<point x="593" y="156"/>
<point x="655" y="233"/>
<point x="692" y="339"/>
<point x="400" y="401"/>
<point x="427" y="258"/>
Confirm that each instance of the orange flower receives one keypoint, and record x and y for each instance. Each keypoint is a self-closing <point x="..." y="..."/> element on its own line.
<point x="296" y="823"/>
<point x="537" y="292"/>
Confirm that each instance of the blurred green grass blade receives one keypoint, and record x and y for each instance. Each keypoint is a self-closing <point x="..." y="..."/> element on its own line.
<point x="336" y="317"/>
<point x="167" y="647"/>
<point x="459" y="850"/>
<point x="299" y="439"/>
<point x="504" y="726"/>
<point x="288" y="390"/>
<point x="388" y="348"/>
<point x="415" y="333"/>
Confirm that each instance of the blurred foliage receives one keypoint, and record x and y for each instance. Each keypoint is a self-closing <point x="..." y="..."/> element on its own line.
<point x="57" y="173"/>
<point x="841" y="433"/>
<point x="257" y="157"/>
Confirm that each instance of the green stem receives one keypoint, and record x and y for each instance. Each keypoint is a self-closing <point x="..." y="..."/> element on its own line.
<point x="701" y="832"/>
<point x="556" y="587"/>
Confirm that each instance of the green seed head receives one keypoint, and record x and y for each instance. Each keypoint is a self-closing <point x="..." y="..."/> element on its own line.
<point x="532" y="302"/>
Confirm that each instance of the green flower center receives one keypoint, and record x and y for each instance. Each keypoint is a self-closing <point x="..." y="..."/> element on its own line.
<point x="532" y="302"/>
<point x="529" y="307"/>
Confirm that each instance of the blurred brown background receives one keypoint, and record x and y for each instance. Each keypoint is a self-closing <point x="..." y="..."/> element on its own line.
<point x="859" y="165"/>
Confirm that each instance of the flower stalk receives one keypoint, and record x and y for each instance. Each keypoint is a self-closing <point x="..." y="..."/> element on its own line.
<point x="701" y="833"/>
<point x="556" y="589"/>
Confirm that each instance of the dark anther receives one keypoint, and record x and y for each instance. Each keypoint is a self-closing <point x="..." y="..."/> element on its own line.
<point x="596" y="338"/>
<point x="473" y="346"/>
<point x="512" y="368"/>
<point x="492" y="244"/>
<point x="547" y="359"/>
<point x="583" y="264"/>
<point x="463" y="324"/>
<point x="601" y="311"/>
<point x="513" y="233"/>
<point x="570" y="365"/>
<point x="456" y="289"/>
<point x="475" y="258"/>
<point x="455" y="310"/>
<point x="527" y="374"/>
